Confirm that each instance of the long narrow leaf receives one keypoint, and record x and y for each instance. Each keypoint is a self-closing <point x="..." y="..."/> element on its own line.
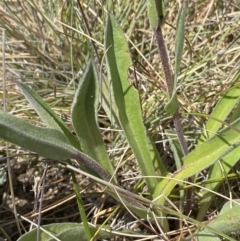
<point x="180" y="38"/>
<point x="47" y="142"/>
<point x="228" y="221"/>
<point x="84" y="118"/>
<point x="172" y="105"/>
<point x="202" y="157"/>
<point x="50" y="143"/>
<point x="66" y="232"/>
<point x="220" y="169"/>
<point x="153" y="13"/>
<point x="128" y="104"/>
<point x="46" y="114"/>
<point x="53" y="121"/>
<point x="224" y="107"/>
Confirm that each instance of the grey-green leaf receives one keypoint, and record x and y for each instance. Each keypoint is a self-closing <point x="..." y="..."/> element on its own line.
<point x="180" y="38"/>
<point x="47" y="142"/>
<point x="217" y="172"/>
<point x="204" y="235"/>
<point x="50" y="143"/>
<point x="202" y="157"/>
<point x="84" y="118"/>
<point x="223" y="108"/>
<point x="66" y="232"/>
<point x="46" y="114"/>
<point x="172" y="105"/>
<point x="155" y="12"/>
<point x="128" y="104"/>
<point x="228" y="221"/>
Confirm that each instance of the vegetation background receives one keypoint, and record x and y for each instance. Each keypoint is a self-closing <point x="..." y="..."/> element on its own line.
<point x="47" y="47"/>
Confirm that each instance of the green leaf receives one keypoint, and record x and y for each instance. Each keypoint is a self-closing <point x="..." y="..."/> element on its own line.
<point x="46" y="113"/>
<point x="75" y="231"/>
<point x="172" y="105"/>
<point x="204" y="235"/>
<point x="84" y="118"/>
<point x="175" y="147"/>
<point x="128" y="104"/>
<point x="229" y="204"/>
<point x="202" y="157"/>
<point x="219" y="170"/>
<point x="66" y="232"/>
<point x="47" y="142"/>
<point x="224" y="107"/>
<point x="228" y="221"/>
<point x="155" y="12"/>
<point x="50" y="143"/>
<point x="179" y="39"/>
<point x="236" y="112"/>
<point x="159" y="7"/>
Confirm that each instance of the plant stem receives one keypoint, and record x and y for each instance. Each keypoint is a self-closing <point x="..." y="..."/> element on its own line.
<point x="179" y="131"/>
<point x="168" y="78"/>
<point x="164" y="59"/>
<point x="81" y="206"/>
<point x="176" y="116"/>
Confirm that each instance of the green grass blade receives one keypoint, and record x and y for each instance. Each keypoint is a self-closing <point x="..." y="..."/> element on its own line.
<point x="175" y="147"/>
<point x="45" y="113"/>
<point x="236" y="113"/>
<point x="172" y="105"/>
<point x="180" y="39"/>
<point x="81" y="208"/>
<point x="108" y="105"/>
<point x="128" y="104"/>
<point x="84" y="118"/>
<point x="220" y="169"/>
<point x="224" y="107"/>
<point x="202" y="157"/>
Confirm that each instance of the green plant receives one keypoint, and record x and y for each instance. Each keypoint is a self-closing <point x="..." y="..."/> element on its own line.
<point x="56" y="141"/>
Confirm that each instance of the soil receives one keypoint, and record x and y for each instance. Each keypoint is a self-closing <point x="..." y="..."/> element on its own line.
<point x="58" y="197"/>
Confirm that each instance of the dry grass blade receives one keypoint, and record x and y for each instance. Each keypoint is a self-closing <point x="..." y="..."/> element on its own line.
<point x="9" y="169"/>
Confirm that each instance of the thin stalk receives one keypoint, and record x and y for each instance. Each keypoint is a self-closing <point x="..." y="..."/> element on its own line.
<point x="41" y="189"/>
<point x="80" y="205"/>
<point x="176" y="116"/>
<point x="168" y="78"/>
